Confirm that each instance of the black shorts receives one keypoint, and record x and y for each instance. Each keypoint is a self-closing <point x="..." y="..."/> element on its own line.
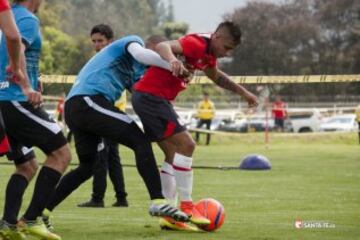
<point x="26" y="127"/>
<point x="279" y="122"/>
<point x="4" y="142"/>
<point x="157" y="116"/>
<point x="92" y="118"/>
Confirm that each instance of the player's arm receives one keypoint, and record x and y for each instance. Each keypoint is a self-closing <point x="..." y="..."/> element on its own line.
<point x="28" y="35"/>
<point x="13" y="41"/>
<point x="168" y="51"/>
<point x="34" y="97"/>
<point x="224" y="81"/>
<point x="147" y="56"/>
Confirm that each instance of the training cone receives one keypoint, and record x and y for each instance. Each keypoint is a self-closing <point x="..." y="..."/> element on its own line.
<point x="255" y="162"/>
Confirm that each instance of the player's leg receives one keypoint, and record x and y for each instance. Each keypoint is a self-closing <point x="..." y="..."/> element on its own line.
<point x="167" y="176"/>
<point x="26" y="167"/>
<point x="99" y="178"/>
<point x="117" y="126"/>
<point x="117" y="175"/>
<point x="199" y="125"/>
<point x="86" y="145"/>
<point x="33" y="126"/>
<point x="161" y="124"/>
<point x="169" y="190"/>
<point x="208" y="135"/>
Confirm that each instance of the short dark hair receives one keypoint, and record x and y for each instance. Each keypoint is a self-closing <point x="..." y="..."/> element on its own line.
<point x="232" y="28"/>
<point x="206" y="94"/>
<point x="103" y="29"/>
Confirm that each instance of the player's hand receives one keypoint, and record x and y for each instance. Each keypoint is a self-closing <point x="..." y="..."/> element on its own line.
<point x="177" y="68"/>
<point x="251" y="99"/>
<point x="34" y="97"/>
<point x="15" y="75"/>
<point x="188" y="73"/>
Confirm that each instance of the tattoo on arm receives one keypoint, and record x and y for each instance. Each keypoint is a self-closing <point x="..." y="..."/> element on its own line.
<point x="226" y="83"/>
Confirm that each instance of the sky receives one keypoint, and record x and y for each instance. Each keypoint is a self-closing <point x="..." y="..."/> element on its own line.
<point x="204" y="15"/>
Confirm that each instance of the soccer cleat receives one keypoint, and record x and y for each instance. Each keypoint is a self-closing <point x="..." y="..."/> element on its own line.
<point x="10" y="232"/>
<point x="37" y="229"/>
<point x="167" y="223"/>
<point x="194" y="216"/>
<point x="92" y="204"/>
<point x="45" y="217"/>
<point x="121" y="202"/>
<point x="161" y="208"/>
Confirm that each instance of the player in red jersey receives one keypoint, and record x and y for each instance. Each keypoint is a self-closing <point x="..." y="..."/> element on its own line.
<point x="153" y="93"/>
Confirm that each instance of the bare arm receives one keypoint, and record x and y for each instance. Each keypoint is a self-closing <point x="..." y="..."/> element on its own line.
<point x="168" y="51"/>
<point x="13" y="39"/>
<point x="224" y="81"/>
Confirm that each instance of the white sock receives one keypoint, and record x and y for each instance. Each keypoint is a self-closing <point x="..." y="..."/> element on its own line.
<point x="184" y="176"/>
<point x="168" y="182"/>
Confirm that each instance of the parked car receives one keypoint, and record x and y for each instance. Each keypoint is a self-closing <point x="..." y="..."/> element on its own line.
<point x="233" y="126"/>
<point x="303" y="120"/>
<point x="345" y="122"/>
<point x="255" y="123"/>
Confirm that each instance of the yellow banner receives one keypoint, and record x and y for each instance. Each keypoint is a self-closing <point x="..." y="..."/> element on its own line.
<point x="240" y="79"/>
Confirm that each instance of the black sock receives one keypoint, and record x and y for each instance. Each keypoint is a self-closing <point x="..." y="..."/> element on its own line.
<point x="146" y="166"/>
<point x="69" y="183"/>
<point x="14" y="194"/>
<point x="45" y="185"/>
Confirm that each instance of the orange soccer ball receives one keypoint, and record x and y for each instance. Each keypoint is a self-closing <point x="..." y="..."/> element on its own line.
<point x="212" y="210"/>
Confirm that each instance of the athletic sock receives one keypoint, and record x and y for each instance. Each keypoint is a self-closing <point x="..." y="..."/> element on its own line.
<point x="14" y="194"/>
<point x="70" y="182"/>
<point x="45" y="185"/>
<point x="184" y="176"/>
<point x="168" y="182"/>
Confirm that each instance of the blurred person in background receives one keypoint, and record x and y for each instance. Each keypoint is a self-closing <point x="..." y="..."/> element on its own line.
<point x="205" y="114"/>
<point x="279" y="113"/>
<point x="357" y="112"/>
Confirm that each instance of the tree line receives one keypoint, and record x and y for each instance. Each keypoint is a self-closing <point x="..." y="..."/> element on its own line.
<point x="288" y="38"/>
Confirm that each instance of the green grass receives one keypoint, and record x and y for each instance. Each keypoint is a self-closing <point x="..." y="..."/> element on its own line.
<point x="314" y="177"/>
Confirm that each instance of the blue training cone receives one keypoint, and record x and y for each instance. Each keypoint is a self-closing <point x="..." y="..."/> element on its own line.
<point x="255" y="162"/>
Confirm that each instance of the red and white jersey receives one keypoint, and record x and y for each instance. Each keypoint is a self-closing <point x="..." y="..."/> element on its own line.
<point x="196" y="56"/>
<point x="4" y="5"/>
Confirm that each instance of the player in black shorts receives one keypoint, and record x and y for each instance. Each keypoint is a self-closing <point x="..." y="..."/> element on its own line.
<point x="29" y="125"/>
<point x="91" y="115"/>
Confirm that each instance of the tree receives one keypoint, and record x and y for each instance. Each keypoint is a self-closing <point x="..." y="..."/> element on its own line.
<point x="125" y="17"/>
<point x="276" y="39"/>
<point x="299" y="37"/>
<point x="174" y="30"/>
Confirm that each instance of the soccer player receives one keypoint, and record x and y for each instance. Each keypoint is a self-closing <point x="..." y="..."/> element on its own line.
<point x="91" y="115"/>
<point x="151" y="101"/>
<point x="13" y="40"/>
<point x="109" y="158"/>
<point x="29" y="125"/>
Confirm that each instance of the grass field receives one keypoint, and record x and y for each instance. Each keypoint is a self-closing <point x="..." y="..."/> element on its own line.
<point x="314" y="177"/>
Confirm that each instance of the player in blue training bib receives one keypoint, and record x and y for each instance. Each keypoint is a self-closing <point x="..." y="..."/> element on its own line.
<point x="110" y="71"/>
<point x="91" y="115"/>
